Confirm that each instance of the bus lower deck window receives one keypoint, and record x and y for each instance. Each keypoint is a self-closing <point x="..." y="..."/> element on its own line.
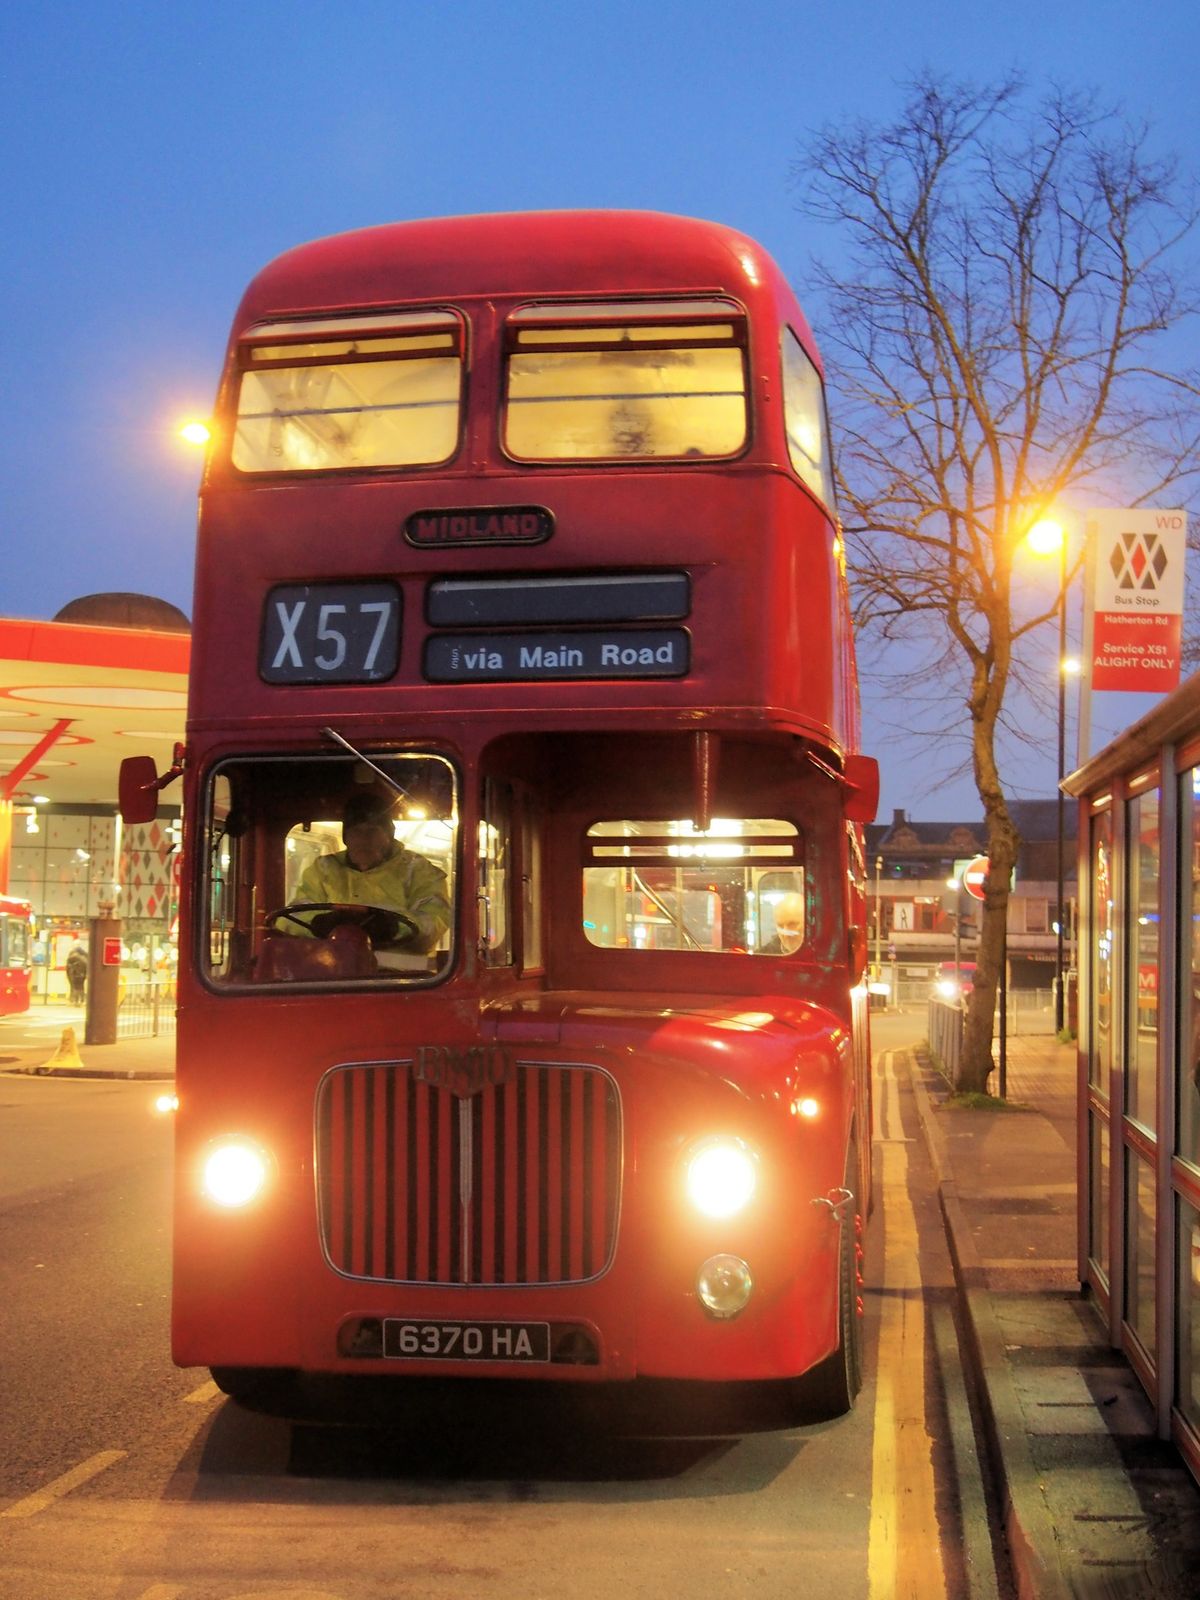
<point x="738" y="888"/>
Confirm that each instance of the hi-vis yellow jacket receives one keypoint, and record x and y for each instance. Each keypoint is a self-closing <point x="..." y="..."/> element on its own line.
<point x="405" y="882"/>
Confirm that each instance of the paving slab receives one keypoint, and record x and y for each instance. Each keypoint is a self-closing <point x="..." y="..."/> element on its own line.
<point x="1095" y="1504"/>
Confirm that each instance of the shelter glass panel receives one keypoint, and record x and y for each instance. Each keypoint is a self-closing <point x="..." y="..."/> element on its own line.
<point x="1143" y="961"/>
<point x="1188" y="1144"/>
<point x="1101" y="998"/>
<point x="1140" y="1216"/>
<point x="1187" y="1377"/>
<point x="1098" y="1231"/>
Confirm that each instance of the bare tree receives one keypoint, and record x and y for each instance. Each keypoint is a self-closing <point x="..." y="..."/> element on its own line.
<point x="999" y="339"/>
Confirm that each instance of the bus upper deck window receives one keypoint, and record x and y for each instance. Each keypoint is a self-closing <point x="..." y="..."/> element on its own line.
<point x="626" y="382"/>
<point x="345" y="393"/>
<point x="804" y="414"/>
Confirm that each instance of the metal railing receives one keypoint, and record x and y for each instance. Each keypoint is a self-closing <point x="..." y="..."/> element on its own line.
<point x="146" y="1008"/>
<point x="946" y="1036"/>
<point x="1029" y="1012"/>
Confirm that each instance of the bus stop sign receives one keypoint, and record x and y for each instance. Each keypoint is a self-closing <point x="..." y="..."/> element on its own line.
<point x="974" y="876"/>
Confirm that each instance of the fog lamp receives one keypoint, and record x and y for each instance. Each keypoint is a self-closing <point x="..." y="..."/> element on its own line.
<point x="234" y="1173"/>
<point x="721" y="1178"/>
<point x="724" y="1284"/>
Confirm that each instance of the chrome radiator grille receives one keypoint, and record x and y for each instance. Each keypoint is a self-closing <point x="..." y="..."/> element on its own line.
<point x="516" y="1184"/>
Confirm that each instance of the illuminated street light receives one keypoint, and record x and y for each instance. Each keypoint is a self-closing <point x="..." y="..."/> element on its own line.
<point x="195" y="432"/>
<point x="1046" y="537"/>
<point x="955" y="882"/>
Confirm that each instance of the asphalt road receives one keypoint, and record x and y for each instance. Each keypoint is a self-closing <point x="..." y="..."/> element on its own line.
<point x="122" y="1478"/>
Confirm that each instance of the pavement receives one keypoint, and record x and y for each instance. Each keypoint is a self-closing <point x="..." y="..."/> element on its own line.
<point x="1092" y="1502"/>
<point x="48" y="1040"/>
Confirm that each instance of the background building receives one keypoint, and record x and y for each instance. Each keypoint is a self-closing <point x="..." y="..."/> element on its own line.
<point x="105" y="679"/>
<point x="914" y="911"/>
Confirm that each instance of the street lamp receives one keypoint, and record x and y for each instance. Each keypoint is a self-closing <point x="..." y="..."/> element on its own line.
<point x="878" y="921"/>
<point x="956" y="884"/>
<point x="1045" y="537"/>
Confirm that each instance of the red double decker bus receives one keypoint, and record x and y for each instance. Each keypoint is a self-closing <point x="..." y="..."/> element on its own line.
<point x="16" y="954"/>
<point x="519" y="532"/>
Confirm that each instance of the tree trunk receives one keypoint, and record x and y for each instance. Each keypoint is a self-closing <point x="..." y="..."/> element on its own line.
<point x="1003" y="843"/>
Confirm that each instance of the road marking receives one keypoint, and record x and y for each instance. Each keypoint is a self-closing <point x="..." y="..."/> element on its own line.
<point x="201" y="1396"/>
<point x="888" y="1126"/>
<point x="904" y="1551"/>
<point x="91" y="1468"/>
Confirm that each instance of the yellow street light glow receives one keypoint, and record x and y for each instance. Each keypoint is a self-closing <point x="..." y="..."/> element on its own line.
<point x="195" y="432"/>
<point x="1071" y="665"/>
<point x="1046" y="537"/>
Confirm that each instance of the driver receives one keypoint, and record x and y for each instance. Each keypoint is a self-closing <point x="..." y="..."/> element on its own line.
<point x="375" y="869"/>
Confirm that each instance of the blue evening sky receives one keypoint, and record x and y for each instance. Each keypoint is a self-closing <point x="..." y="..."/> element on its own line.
<point x="155" y="156"/>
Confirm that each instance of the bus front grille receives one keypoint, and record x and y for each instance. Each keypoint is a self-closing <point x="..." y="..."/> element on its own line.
<point x="516" y="1184"/>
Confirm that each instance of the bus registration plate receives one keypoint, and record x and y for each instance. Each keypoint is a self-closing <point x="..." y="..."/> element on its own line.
<point x="466" y="1341"/>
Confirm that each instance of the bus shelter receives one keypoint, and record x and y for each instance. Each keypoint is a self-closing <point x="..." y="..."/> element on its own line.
<point x="1139" y="1052"/>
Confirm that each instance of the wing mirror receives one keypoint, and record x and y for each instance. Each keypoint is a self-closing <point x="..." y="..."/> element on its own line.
<point x="139" y="785"/>
<point x="861" y="775"/>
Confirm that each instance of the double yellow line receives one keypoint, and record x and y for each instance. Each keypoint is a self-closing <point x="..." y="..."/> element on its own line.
<point x="904" y="1549"/>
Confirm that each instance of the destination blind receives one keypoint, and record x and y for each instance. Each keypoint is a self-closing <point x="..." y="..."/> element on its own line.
<point x="521" y="657"/>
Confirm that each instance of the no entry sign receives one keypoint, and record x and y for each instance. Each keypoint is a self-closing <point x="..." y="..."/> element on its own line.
<point x="974" y="876"/>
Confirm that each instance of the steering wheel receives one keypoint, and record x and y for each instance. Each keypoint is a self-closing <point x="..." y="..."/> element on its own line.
<point x="381" y="924"/>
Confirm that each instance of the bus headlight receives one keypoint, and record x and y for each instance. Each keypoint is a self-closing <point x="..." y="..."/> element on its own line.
<point x="234" y="1173"/>
<point x="721" y="1178"/>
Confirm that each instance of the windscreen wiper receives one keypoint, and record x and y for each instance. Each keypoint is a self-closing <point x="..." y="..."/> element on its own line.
<point x="335" y="738"/>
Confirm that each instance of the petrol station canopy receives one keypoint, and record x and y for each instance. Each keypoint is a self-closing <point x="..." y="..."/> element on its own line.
<point x="78" y="694"/>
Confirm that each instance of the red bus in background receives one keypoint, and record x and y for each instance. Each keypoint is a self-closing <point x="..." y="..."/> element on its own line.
<point x="524" y="525"/>
<point x="16" y="954"/>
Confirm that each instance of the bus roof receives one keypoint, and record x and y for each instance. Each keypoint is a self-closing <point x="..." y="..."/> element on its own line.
<point x="539" y="254"/>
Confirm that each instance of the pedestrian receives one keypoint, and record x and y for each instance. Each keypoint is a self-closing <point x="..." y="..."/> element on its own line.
<point x="77" y="971"/>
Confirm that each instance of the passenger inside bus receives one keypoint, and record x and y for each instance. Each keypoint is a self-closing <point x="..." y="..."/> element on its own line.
<point x="789" y="927"/>
<point x="403" y="895"/>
